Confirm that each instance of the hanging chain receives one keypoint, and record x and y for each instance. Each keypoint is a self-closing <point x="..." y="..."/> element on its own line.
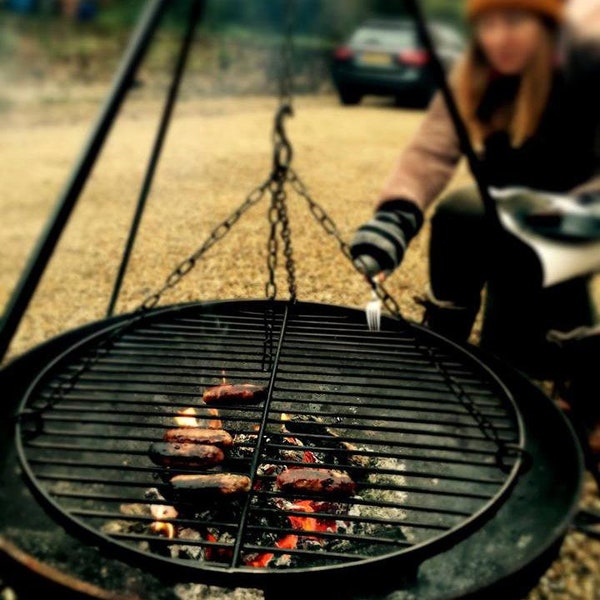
<point x="279" y="226"/>
<point x="282" y="159"/>
<point x="329" y="226"/>
<point x="287" y="56"/>
<point x="216" y="235"/>
<point x="281" y="174"/>
<point x="504" y="450"/>
<point x="59" y="392"/>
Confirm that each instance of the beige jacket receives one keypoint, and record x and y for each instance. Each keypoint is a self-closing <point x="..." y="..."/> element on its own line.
<point x="427" y="164"/>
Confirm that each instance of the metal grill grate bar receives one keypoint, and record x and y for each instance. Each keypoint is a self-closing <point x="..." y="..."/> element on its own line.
<point x="431" y="466"/>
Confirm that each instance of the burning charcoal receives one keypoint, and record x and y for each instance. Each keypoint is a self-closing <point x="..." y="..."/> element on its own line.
<point x="292" y="455"/>
<point x="309" y="424"/>
<point x="234" y="393"/>
<point x="213" y="484"/>
<point x="160" y="512"/>
<point x="267" y="469"/>
<point x="187" y="551"/>
<point x="165" y="529"/>
<point x="190" y="456"/>
<point x="318" y="481"/>
<point x="219" y="554"/>
<point x="303" y="424"/>
<point x="244" y="445"/>
<point x="214" y="437"/>
<point x="356" y="460"/>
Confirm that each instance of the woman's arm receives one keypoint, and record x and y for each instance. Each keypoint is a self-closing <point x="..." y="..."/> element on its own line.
<point x="427" y="164"/>
<point x="583" y="65"/>
<point x="423" y="170"/>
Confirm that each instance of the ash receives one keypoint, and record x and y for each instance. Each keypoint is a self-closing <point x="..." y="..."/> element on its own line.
<point x="208" y="592"/>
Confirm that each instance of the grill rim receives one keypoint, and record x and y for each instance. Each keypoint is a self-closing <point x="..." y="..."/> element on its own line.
<point x="245" y="576"/>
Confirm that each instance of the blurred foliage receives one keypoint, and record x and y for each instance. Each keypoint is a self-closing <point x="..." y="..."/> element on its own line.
<point x="330" y="19"/>
<point x="40" y="38"/>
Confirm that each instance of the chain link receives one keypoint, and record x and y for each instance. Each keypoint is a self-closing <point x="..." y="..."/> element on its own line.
<point x="217" y="234"/>
<point x="278" y="211"/>
<point x="504" y="449"/>
<point x="488" y="429"/>
<point x="329" y="226"/>
<point x="278" y="218"/>
<point x="287" y="56"/>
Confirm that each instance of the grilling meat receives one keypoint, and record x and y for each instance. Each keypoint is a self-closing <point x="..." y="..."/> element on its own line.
<point x="318" y="481"/>
<point x="234" y="393"/>
<point x="189" y="435"/>
<point x="223" y="484"/>
<point x="186" y="456"/>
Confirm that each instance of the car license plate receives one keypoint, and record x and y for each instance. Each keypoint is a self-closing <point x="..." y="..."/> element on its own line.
<point x="378" y="59"/>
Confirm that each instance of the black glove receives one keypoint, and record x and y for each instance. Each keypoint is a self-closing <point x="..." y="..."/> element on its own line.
<point x="379" y="245"/>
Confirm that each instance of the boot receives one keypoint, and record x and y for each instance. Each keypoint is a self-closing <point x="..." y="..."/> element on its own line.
<point x="581" y="384"/>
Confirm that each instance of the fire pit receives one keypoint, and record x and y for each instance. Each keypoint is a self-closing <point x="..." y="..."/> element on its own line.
<point x="273" y="445"/>
<point x="367" y="454"/>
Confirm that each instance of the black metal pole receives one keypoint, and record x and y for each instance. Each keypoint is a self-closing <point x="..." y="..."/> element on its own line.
<point x="439" y="73"/>
<point x="195" y="15"/>
<point x="25" y="288"/>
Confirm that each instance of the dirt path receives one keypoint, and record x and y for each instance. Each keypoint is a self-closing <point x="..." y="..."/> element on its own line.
<point x="217" y="151"/>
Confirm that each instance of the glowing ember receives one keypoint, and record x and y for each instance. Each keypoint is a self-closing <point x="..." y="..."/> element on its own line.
<point x="309" y="523"/>
<point x="215" y="554"/>
<point x="214" y="423"/>
<point x="304" y="523"/>
<point x="165" y="529"/>
<point x="309" y="457"/>
<point x="289" y="542"/>
<point x="187" y="418"/>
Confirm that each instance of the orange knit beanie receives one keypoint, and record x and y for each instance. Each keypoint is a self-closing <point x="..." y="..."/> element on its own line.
<point x="553" y="9"/>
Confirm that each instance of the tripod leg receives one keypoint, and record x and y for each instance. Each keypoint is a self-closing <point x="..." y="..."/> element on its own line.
<point x="19" y="301"/>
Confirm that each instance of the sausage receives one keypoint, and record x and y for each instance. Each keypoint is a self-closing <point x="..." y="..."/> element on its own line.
<point x="190" y="456"/>
<point x="234" y="393"/>
<point x="318" y="481"/>
<point x="210" y="484"/>
<point x="190" y="435"/>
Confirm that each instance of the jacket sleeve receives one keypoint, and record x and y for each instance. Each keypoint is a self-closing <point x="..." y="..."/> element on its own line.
<point x="590" y="56"/>
<point x="427" y="164"/>
<point x="583" y="62"/>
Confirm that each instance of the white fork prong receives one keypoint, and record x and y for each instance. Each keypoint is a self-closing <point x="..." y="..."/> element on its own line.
<point x="373" y="312"/>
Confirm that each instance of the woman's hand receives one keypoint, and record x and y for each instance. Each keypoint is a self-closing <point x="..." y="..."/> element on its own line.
<point x="379" y="245"/>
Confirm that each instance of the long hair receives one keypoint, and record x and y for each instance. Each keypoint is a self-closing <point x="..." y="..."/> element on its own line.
<point x="520" y="119"/>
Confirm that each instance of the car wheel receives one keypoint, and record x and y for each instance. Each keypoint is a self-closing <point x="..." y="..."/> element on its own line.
<point x="418" y="100"/>
<point x="349" y="97"/>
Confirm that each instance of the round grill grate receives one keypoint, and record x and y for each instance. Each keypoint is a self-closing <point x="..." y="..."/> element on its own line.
<point x="427" y="435"/>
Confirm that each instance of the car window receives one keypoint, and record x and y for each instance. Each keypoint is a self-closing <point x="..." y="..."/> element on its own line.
<point x="375" y="36"/>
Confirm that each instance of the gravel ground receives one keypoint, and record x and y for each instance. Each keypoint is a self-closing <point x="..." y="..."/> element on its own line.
<point x="217" y="151"/>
